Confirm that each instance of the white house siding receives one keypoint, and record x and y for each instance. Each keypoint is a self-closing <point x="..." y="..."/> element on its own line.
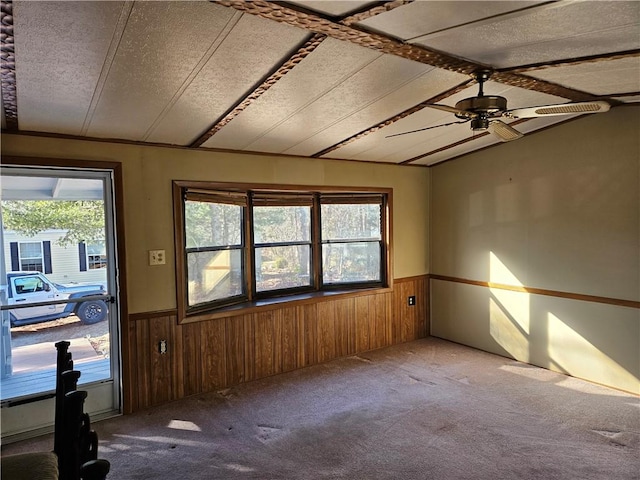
<point x="65" y="261"/>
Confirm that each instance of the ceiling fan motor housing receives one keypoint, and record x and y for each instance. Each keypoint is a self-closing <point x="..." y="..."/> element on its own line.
<point x="488" y="104"/>
<point x="481" y="109"/>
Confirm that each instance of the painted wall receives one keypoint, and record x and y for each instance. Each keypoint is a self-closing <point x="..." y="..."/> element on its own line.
<point x="148" y="172"/>
<point x="557" y="210"/>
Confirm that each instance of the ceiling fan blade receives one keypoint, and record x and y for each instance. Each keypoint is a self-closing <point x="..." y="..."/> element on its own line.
<point x="597" y="106"/>
<point x="425" y="128"/>
<point x="504" y="132"/>
<point x="455" y="111"/>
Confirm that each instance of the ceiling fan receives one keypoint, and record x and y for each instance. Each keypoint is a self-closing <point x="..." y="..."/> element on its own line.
<point x="484" y="111"/>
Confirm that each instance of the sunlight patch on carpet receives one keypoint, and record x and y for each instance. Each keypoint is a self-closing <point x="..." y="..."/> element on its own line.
<point x="239" y="468"/>
<point x="184" y="425"/>
<point x="162" y="439"/>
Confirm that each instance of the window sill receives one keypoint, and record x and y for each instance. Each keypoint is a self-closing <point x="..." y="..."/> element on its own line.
<point x="281" y="302"/>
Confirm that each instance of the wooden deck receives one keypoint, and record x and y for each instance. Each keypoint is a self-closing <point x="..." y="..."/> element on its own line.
<point x="21" y="385"/>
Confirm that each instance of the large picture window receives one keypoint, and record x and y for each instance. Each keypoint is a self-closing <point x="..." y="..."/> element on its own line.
<point x="238" y="246"/>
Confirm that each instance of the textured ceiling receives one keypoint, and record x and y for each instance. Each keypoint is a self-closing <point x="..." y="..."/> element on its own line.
<point x="327" y="79"/>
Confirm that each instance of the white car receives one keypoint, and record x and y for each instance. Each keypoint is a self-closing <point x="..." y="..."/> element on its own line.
<point x="34" y="287"/>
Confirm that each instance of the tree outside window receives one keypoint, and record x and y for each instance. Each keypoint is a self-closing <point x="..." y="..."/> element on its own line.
<point x="282" y="239"/>
<point x="351" y="242"/>
<point x="214" y="250"/>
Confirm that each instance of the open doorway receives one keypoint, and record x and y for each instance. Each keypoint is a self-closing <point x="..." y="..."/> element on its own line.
<point x="58" y="270"/>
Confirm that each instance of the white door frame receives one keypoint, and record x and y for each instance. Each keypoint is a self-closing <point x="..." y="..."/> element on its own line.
<point x="34" y="416"/>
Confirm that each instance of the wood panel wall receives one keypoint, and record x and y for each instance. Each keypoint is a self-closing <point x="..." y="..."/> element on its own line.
<point x="216" y="354"/>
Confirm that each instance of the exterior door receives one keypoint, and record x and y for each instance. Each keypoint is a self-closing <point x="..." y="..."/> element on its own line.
<point x="58" y="273"/>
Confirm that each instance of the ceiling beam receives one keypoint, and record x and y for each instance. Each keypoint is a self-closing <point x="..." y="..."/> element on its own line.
<point x="287" y="65"/>
<point x="309" y="46"/>
<point x="374" y="41"/>
<point x="8" y="65"/>
<point x="372" y="12"/>
<point x="542" y="86"/>
<point x="395" y="118"/>
<point x="384" y="44"/>
<point x="343" y="30"/>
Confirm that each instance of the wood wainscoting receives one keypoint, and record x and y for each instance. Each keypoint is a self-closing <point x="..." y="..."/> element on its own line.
<point x="215" y="354"/>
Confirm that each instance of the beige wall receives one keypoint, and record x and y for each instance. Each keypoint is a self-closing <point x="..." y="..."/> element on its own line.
<point x="148" y="172"/>
<point x="557" y="210"/>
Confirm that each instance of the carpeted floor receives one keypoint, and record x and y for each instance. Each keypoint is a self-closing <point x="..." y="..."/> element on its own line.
<point x="428" y="409"/>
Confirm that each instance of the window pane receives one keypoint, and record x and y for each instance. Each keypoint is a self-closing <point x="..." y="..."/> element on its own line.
<point x="32" y="265"/>
<point x="31" y="250"/>
<point x="350" y="221"/>
<point x="281" y="224"/>
<point x="351" y="262"/>
<point x="283" y="267"/>
<point x="214" y="275"/>
<point x="97" y="261"/>
<point x="29" y="285"/>
<point x="97" y="248"/>
<point x="212" y="224"/>
<point x="96" y="255"/>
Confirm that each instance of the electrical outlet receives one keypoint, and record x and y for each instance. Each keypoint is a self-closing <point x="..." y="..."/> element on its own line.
<point x="162" y="347"/>
<point x="157" y="257"/>
<point x="411" y="301"/>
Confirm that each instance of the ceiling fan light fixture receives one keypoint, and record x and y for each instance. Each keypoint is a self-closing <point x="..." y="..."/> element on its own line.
<point x="480" y="123"/>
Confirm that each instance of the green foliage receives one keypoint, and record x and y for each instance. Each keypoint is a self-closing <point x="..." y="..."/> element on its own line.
<point x="209" y="224"/>
<point x="281" y="224"/>
<point x="212" y="224"/>
<point x="83" y="220"/>
<point x="284" y="224"/>
<point x="350" y="221"/>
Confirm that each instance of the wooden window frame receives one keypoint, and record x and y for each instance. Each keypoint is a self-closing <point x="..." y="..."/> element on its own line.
<point x="341" y="199"/>
<point x="261" y="199"/>
<point x="280" y="195"/>
<point x="225" y="198"/>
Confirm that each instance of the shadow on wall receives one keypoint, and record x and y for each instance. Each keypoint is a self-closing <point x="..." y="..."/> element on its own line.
<point x="587" y="340"/>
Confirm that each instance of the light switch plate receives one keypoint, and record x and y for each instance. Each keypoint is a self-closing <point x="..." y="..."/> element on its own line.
<point x="157" y="257"/>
